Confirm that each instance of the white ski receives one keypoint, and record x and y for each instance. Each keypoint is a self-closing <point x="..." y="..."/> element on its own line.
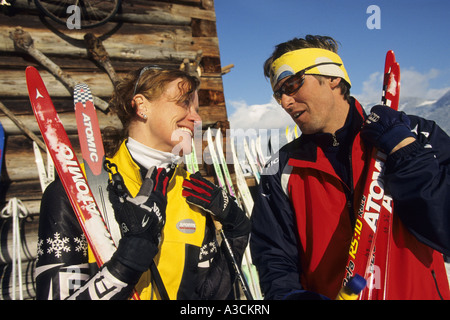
<point x="251" y="161"/>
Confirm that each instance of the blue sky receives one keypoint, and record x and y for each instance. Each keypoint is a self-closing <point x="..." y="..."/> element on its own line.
<point x="417" y="31"/>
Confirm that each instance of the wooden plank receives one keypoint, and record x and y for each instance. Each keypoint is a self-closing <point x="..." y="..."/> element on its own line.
<point x="153" y="12"/>
<point x="67" y="118"/>
<point x="19" y="158"/>
<point x="13" y="84"/>
<point x="135" y="43"/>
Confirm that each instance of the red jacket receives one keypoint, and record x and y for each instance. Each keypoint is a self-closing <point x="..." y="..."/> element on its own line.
<point x="303" y="224"/>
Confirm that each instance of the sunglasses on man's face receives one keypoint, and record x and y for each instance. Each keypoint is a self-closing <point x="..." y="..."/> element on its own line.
<point x="290" y="86"/>
<point x="294" y="83"/>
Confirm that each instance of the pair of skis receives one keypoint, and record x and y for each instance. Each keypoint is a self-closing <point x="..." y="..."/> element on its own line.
<point x="369" y="248"/>
<point x="225" y="182"/>
<point x="81" y="197"/>
<point x="243" y="198"/>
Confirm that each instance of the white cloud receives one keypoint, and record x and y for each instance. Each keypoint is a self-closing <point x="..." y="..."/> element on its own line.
<point x="414" y="84"/>
<point x="371" y="91"/>
<point x="256" y="116"/>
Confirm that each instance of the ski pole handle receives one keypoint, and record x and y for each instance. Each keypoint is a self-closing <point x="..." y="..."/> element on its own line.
<point x="353" y="288"/>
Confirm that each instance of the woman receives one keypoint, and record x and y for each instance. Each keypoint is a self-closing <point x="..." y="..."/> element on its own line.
<point x="167" y="248"/>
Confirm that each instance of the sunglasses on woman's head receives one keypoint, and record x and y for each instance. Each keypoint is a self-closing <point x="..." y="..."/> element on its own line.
<point x="153" y="67"/>
<point x="295" y="82"/>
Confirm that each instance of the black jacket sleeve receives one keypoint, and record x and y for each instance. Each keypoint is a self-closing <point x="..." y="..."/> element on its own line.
<point x="62" y="268"/>
<point x="274" y="240"/>
<point x="418" y="178"/>
<point x="62" y="263"/>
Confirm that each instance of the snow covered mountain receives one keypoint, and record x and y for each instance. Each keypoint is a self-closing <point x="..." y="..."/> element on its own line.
<point x="438" y="111"/>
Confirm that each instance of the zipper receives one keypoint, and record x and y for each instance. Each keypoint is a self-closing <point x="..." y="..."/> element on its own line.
<point x="436" y="284"/>
<point x="335" y="140"/>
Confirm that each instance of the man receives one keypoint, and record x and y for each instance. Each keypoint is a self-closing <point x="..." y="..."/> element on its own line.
<point x="305" y="211"/>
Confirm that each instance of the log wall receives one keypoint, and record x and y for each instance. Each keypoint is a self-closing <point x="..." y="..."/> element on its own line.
<point x="143" y="32"/>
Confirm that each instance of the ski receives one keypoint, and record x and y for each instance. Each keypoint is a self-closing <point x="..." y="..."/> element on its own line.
<point x="243" y="190"/>
<point x="251" y="161"/>
<point x="376" y="272"/>
<point x="222" y="184"/>
<point x="188" y="160"/>
<point x="223" y="164"/>
<point x="375" y="206"/>
<point x="288" y="134"/>
<point x="68" y="169"/>
<point x="214" y="159"/>
<point x="254" y="153"/>
<point x="296" y="134"/>
<point x="93" y="154"/>
<point x="259" y="152"/>
<point x="247" y="202"/>
<point x="291" y="135"/>
<point x="248" y="292"/>
<point x="45" y="176"/>
<point x="251" y="273"/>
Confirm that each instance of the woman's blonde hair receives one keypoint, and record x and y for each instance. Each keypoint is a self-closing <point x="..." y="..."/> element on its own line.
<point x="151" y="82"/>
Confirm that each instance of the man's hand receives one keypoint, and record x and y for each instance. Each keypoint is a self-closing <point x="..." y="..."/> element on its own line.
<point x="387" y="129"/>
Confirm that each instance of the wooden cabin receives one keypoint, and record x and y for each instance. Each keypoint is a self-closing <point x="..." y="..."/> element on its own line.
<point x="181" y="33"/>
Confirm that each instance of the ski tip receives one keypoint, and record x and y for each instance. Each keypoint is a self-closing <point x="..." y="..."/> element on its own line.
<point x="391" y="54"/>
<point x="30" y="69"/>
<point x="31" y="73"/>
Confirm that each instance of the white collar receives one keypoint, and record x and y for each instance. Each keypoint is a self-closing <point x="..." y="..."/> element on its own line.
<point x="149" y="157"/>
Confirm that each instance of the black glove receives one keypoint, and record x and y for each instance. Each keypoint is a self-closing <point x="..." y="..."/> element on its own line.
<point x="213" y="199"/>
<point x="141" y="218"/>
<point x="385" y="128"/>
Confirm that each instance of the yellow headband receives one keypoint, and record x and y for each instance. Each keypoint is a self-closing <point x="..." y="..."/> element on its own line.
<point x="294" y="61"/>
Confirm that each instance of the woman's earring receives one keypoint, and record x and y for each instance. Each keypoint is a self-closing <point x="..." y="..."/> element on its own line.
<point x="144" y="116"/>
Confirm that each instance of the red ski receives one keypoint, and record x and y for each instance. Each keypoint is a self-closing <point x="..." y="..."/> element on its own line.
<point x="368" y="253"/>
<point x="68" y="169"/>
